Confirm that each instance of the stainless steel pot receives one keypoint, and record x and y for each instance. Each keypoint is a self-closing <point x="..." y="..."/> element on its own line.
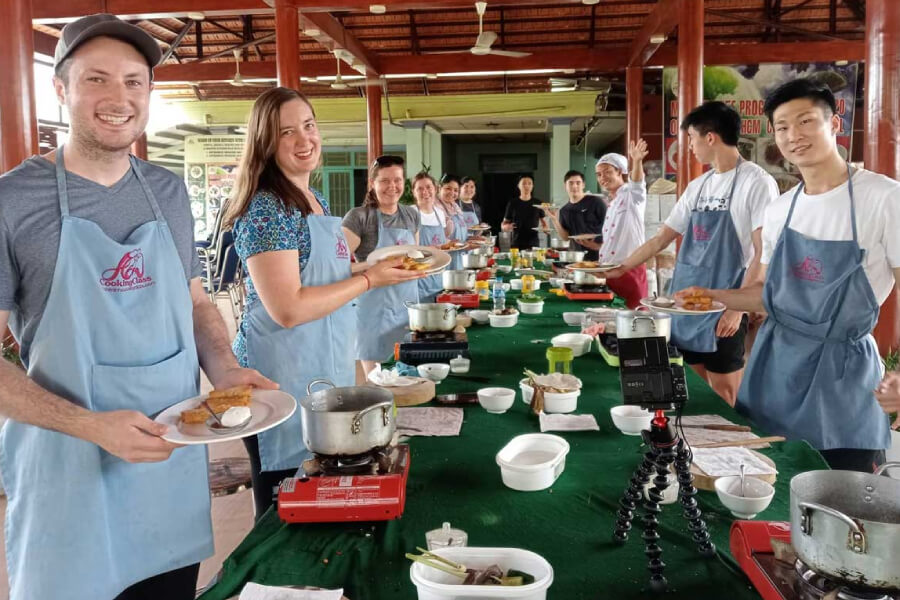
<point x="431" y="316"/>
<point x="459" y="280"/>
<point x="571" y="255"/>
<point x="584" y="278"/>
<point x="474" y="261"/>
<point x="344" y="421"/>
<point x="642" y="323"/>
<point x="846" y="525"/>
<point x="486" y="250"/>
<point x="558" y="244"/>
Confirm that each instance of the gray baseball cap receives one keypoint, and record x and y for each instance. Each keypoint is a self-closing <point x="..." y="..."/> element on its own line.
<point x="87" y="28"/>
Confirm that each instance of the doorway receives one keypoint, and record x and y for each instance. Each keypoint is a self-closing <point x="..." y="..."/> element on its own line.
<point x="497" y="189"/>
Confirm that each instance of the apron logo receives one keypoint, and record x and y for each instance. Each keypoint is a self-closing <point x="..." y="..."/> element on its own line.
<point x="435" y="241"/>
<point x="810" y="270"/>
<point x="701" y="233"/>
<point x="128" y="275"/>
<point x="341" y="249"/>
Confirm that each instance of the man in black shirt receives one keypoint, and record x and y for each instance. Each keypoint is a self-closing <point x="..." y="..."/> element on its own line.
<point x="522" y="215"/>
<point x="583" y="214"/>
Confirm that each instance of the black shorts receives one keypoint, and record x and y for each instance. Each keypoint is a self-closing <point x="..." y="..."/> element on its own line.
<point x="729" y="354"/>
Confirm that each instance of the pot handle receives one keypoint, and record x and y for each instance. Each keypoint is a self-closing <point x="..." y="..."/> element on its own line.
<point x="882" y="470"/>
<point x="637" y="318"/>
<point x="314" y="382"/>
<point x="856" y="538"/>
<point x="385" y="407"/>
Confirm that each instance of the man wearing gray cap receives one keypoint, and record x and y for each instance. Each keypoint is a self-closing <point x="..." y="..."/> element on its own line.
<point x="100" y="286"/>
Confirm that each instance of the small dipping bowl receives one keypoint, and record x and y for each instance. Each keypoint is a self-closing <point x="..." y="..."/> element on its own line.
<point x="757" y="495"/>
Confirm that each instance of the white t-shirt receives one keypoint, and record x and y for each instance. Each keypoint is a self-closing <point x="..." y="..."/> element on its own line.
<point x="623" y="226"/>
<point x="827" y="217"/>
<point x="754" y="190"/>
<point x="433" y="219"/>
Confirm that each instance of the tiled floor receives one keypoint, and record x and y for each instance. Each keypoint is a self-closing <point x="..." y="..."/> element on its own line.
<point x="232" y="516"/>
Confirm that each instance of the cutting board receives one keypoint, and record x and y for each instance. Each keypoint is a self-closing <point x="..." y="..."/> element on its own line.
<point x="411" y="395"/>
<point x="703" y="481"/>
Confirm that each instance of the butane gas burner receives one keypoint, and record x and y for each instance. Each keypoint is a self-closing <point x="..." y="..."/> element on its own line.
<point x="813" y="586"/>
<point x="431" y="346"/>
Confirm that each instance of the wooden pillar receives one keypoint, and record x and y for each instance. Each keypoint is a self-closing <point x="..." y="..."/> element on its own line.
<point x="139" y="147"/>
<point x="18" y="116"/>
<point x="690" y="82"/>
<point x="882" y="149"/>
<point x="634" y="94"/>
<point x="287" y="44"/>
<point x="373" y="122"/>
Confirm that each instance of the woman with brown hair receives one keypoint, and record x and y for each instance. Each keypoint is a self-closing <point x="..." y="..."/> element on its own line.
<point x="299" y="323"/>
<point x="435" y="229"/>
<point x="382" y="221"/>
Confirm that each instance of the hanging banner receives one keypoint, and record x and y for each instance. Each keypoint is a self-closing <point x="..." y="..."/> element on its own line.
<point x="745" y="87"/>
<point x="210" y="166"/>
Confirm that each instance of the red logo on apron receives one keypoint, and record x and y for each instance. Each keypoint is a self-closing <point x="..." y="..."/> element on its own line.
<point x="128" y="275"/>
<point x="341" y="249"/>
<point x="701" y="234"/>
<point x="435" y="240"/>
<point x="810" y="269"/>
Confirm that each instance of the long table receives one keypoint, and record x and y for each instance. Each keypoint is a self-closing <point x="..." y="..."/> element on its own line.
<point x="456" y="479"/>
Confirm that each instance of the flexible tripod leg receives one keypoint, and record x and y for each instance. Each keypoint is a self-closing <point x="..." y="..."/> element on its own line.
<point x="687" y="494"/>
<point x="665" y="456"/>
<point x="632" y="495"/>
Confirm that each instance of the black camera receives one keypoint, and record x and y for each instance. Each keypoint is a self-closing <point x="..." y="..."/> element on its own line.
<point x="650" y="374"/>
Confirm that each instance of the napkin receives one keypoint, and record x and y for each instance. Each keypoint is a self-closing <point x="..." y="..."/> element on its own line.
<point x="387" y="377"/>
<point x="559" y="381"/>
<point x="254" y="591"/>
<point x="559" y="422"/>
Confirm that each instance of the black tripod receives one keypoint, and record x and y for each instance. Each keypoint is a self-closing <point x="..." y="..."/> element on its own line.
<point x="666" y="447"/>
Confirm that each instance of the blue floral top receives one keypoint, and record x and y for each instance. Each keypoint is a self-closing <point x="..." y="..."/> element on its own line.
<point x="266" y="227"/>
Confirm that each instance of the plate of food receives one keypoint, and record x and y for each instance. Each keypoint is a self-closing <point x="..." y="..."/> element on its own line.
<point x="691" y="305"/>
<point x="584" y="236"/>
<point x="591" y="266"/>
<point x="479" y="227"/>
<point x="453" y="246"/>
<point x="415" y="258"/>
<point x="239" y="412"/>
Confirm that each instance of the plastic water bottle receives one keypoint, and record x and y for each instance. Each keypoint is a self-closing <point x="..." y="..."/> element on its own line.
<point x="499" y="296"/>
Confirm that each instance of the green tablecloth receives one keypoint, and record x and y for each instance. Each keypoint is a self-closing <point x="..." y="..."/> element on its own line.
<point x="456" y="479"/>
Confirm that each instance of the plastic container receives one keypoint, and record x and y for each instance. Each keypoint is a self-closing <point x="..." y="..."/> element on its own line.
<point x="580" y="343"/>
<point x="559" y="360"/>
<point x="515" y="284"/>
<point x="480" y="316"/>
<point x="432" y="584"/>
<point x="564" y="402"/>
<point x="574" y="318"/>
<point x="445" y="537"/>
<point x="528" y="284"/>
<point x="483" y="289"/>
<point x="504" y="320"/>
<point x="530" y="308"/>
<point x="460" y="364"/>
<point x="533" y="461"/>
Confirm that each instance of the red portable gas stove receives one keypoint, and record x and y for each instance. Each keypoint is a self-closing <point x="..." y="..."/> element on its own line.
<point x="370" y="487"/>
<point x="751" y="545"/>
<point x="462" y="299"/>
<point x="591" y="291"/>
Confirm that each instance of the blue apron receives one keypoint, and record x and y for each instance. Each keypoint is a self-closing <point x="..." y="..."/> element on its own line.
<point x="460" y="234"/>
<point x="383" y="318"/>
<point x="814" y="365"/>
<point x="710" y="256"/>
<point x="321" y="348"/>
<point x="116" y="334"/>
<point x="470" y="219"/>
<point x="431" y="235"/>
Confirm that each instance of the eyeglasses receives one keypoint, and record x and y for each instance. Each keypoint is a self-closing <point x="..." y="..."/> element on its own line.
<point x="388" y="160"/>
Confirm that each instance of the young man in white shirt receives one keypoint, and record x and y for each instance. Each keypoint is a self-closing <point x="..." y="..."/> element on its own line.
<point x="623" y="226"/>
<point x="720" y="215"/>
<point x="831" y="256"/>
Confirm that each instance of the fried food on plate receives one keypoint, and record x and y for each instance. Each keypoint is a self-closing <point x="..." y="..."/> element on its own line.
<point x="585" y="264"/>
<point x="219" y="401"/>
<point x="697" y="302"/>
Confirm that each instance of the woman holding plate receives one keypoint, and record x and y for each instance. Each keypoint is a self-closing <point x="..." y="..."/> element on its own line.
<point x="382" y="222"/>
<point x="299" y="323"/>
<point x="435" y="229"/>
<point x="449" y="193"/>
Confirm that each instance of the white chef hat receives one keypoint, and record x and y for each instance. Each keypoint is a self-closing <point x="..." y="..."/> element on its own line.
<point x="614" y="159"/>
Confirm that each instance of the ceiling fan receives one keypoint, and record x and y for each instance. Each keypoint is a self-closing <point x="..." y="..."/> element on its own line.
<point x="588" y="84"/>
<point x="339" y="83"/>
<point x="484" y="40"/>
<point x="238" y="80"/>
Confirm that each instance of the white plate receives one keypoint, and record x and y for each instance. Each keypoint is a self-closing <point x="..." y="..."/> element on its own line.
<point x="598" y="269"/>
<point x="717" y="307"/>
<point x="584" y="236"/>
<point x="268" y="408"/>
<point x="464" y="246"/>
<point x="401" y="381"/>
<point x="481" y="227"/>
<point x="541" y="230"/>
<point x="439" y="258"/>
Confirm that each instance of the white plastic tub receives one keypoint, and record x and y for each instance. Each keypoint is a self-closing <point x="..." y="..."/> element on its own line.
<point x="432" y="584"/>
<point x="532" y="461"/>
<point x="504" y="320"/>
<point x="565" y="402"/>
<point x="580" y="343"/>
<point x="530" y="308"/>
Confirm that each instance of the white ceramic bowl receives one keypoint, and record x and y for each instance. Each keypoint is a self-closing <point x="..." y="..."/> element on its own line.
<point x="530" y="308"/>
<point x="574" y="318"/>
<point x="504" y="320"/>
<point x="504" y="268"/>
<point x="480" y="316"/>
<point x="496" y="400"/>
<point x="580" y="343"/>
<point x="532" y="461"/>
<point x="459" y="365"/>
<point x="557" y="282"/>
<point x="757" y="495"/>
<point x="515" y="284"/>
<point x="630" y="419"/>
<point x="434" y="371"/>
<point x="565" y="402"/>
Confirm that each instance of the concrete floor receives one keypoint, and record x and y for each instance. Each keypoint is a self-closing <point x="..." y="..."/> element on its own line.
<point x="232" y="516"/>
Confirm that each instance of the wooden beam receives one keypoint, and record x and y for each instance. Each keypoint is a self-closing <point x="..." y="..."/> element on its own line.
<point x="374" y="127"/>
<point x="730" y="15"/>
<point x="341" y="38"/>
<point x="44" y="43"/>
<point x="224" y="71"/>
<point x="634" y="100"/>
<point x="286" y="44"/>
<point x="18" y="116"/>
<point x="173" y="46"/>
<point x="661" y="21"/>
<point x="690" y="84"/>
